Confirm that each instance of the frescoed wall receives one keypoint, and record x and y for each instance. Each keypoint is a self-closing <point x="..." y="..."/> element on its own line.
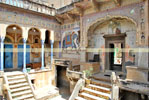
<point x="120" y="26"/>
<point x="13" y="52"/>
<point x="70" y="39"/>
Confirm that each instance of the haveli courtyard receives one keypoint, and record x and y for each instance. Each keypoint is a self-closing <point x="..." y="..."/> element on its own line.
<point x="74" y="50"/>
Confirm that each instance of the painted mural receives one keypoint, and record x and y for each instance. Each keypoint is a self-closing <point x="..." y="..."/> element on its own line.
<point x="12" y="16"/>
<point x="70" y="39"/>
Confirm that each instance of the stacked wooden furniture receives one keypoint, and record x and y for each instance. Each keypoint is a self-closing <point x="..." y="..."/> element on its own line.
<point x="34" y="65"/>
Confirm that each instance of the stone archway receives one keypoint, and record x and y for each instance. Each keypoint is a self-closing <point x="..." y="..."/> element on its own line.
<point x="91" y="26"/>
<point x="34" y="34"/>
<point x="13" y="32"/>
<point x="101" y="27"/>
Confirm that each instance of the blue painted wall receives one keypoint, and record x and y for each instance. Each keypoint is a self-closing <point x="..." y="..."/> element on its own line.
<point x="8" y="56"/>
<point x="20" y="55"/>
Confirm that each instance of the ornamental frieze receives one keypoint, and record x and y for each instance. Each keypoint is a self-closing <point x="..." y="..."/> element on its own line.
<point x="7" y="15"/>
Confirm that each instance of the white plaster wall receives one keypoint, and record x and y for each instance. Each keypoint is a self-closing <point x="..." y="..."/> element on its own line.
<point x="96" y="39"/>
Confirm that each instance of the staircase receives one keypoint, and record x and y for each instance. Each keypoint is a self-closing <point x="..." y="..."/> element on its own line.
<point x="19" y="86"/>
<point x="97" y="89"/>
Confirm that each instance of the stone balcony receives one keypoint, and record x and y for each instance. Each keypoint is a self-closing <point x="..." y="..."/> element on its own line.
<point x="30" y="5"/>
<point x="68" y="7"/>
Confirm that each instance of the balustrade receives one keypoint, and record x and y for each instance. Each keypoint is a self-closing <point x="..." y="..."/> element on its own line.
<point x="30" y="6"/>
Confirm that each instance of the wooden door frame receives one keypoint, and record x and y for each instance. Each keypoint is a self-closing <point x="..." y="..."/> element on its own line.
<point x="114" y="38"/>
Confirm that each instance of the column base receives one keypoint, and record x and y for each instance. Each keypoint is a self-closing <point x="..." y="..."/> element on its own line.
<point x="50" y="67"/>
<point x="24" y="70"/>
<point x="1" y="73"/>
<point x="42" y="68"/>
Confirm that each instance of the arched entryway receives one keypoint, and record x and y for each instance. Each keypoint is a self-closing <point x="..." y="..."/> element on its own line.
<point x="34" y="35"/>
<point x="109" y="37"/>
<point x="10" y="43"/>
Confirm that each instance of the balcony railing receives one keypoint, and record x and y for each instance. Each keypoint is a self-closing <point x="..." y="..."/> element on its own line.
<point x="33" y="6"/>
<point x="67" y="7"/>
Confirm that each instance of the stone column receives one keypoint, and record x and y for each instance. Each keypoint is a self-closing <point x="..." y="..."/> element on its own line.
<point x="42" y="37"/>
<point x="2" y="54"/>
<point x="147" y="21"/>
<point x="25" y="36"/>
<point x="42" y="54"/>
<point x="2" y="37"/>
<point x="52" y="42"/>
<point x="24" y="55"/>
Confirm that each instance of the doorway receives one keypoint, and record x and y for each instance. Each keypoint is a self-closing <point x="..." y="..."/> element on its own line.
<point x="8" y="56"/>
<point x="63" y="82"/>
<point x="115" y="57"/>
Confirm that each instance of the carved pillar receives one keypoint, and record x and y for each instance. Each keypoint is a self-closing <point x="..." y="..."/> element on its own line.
<point x="52" y="42"/>
<point x="42" y="45"/>
<point x="42" y="54"/>
<point x="24" y="55"/>
<point x="147" y="21"/>
<point x="2" y="37"/>
<point x="2" y="54"/>
<point x="25" y="36"/>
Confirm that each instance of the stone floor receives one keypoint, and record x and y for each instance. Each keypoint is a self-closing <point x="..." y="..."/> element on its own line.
<point x="107" y="75"/>
<point x="46" y="93"/>
<point x="65" y="93"/>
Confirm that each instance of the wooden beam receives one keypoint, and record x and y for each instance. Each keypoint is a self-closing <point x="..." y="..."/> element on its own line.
<point x="95" y="5"/>
<point x="117" y="2"/>
<point x="70" y="16"/>
<point x="79" y="10"/>
<point x="101" y="1"/>
<point x="74" y="13"/>
<point x="59" y="19"/>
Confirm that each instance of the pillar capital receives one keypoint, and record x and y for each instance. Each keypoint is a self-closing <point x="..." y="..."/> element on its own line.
<point x="52" y="41"/>
<point x="3" y="30"/>
<point x="24" y="40"/>
<point x="42" y="34"/>
<point x="25" y="32"/>
<point x="2" y="39"/>
<point x="52" y="36"/>
<point x="42" y="42"/>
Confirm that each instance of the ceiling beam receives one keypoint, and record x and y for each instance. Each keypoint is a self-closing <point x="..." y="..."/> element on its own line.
<point x="70" y="16"/>
<point x="117" y="2"/>
<point x="79" y="9"/>
<point x="95" y="5"/>
<point x="101" y="1"/>
<point x="59" y="19"/>
<point x="74" y="13"/>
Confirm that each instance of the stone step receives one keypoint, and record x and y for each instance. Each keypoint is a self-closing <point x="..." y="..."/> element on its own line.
<point x="20" y="89"/>
<point x="103" y="78"/>
<point x="17" y="81"/>
<point x="16" y="77"/>
<point x="80" y="98"/>
<point x="21" y="93"/>
<point x="57" y="98"/>
<point x="24" y="97"/>
<point x="16" y="73"/>
<point x="100" y="83"/>
<point x="99" y="88"/>
<point x="30" y="98"/>
<point x="90" y="97"/>
<point x="97" y="93"/>
<point x="18" y="85"/>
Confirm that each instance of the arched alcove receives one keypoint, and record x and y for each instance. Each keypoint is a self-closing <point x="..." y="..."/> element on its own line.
<point x="118" y="30"/>
<point x="34" y="34"/>
<point x="47" y="37"/>
<point x="13" y="32"/>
